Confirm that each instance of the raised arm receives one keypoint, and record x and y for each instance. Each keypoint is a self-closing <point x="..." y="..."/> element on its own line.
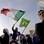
<point x="13" y="27"/>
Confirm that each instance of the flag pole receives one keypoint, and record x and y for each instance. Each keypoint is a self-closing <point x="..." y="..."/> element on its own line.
<point x="24" y="29"/>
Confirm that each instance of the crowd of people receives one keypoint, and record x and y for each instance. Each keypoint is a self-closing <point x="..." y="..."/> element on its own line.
<point x="18" y="38"/>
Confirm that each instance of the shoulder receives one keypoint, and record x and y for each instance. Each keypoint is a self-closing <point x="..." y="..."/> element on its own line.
<point x="38" y="24"/>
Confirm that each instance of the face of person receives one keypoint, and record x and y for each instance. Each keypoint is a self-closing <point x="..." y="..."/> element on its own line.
<point x="41" y="15"/>
<point x="31" y="32"/>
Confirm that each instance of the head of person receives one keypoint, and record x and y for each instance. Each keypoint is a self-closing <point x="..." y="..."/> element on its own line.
<point x="13" y="42"/>
<point x="16" y="29"/>
<point x="5" y="30"/>
<point x="31" y="31"/>
<point x="27" y="36"/>
<point x="41" y="14"/>
<point x="22" y="36"/>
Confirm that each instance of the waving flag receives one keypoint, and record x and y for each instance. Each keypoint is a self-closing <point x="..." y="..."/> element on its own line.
<point x="24" y="22"/>
<point x="19" y="14"/>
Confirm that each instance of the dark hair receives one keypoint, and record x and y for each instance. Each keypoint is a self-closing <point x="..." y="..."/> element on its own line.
<point x="40" y="12"/>
<point x="5" y="30"/>
<point x="13" y="42"/>
<point x="16" y="29"/>
<point x="18" y="33"/>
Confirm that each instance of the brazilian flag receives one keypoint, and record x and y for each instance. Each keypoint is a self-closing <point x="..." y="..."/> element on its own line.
<point x="24" y="22"/>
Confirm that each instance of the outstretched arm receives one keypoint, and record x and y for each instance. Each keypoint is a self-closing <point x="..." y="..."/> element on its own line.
<point x="13" y="27"/>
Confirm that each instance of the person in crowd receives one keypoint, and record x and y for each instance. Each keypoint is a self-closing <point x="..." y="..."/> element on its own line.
<point x="31" y="34"/>
<point x="29" y="39"/>
<point x="10" y="37"/>
<point x="6" y="36"/>
<point x="0" y="40"/>
<point x="18" y="37"/>
<point x="22" y="39"/>
<point x="39" y="27"/>
<point x="15" y="31"/>
<point x="35" y="39"/>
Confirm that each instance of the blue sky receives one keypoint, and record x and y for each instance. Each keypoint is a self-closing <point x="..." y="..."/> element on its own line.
<point x="31" y="8"/>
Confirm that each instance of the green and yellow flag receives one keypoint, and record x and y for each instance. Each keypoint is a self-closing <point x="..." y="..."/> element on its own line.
<point x="24" y="22"/>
